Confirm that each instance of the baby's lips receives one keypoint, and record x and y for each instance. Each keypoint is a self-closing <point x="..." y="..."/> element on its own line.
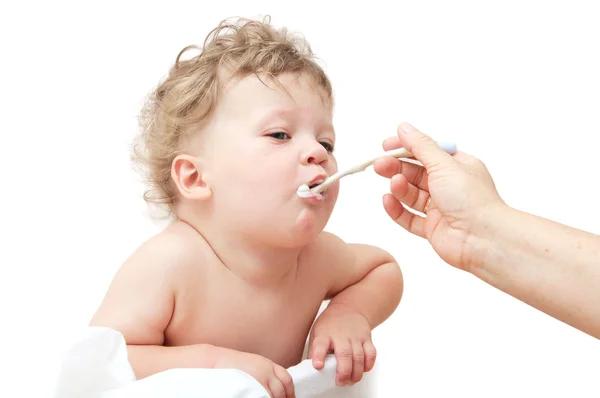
<point x="305" y="193"/>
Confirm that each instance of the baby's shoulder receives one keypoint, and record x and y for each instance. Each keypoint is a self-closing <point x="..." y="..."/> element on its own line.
<point x="326" y="246"/>
<point x="172" y="253"/>
<point x="322" y="253"/>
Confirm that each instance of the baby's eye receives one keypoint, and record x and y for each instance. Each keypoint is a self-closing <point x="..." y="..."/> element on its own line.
<point x="327" y="146"/>
<point x="280" y="135"/>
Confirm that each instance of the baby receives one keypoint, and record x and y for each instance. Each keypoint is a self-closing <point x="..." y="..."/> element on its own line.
<point x="237" y="278"/>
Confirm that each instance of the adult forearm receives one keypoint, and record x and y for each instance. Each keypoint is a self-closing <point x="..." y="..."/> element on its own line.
<point x="550" y="266"/>
<point x="377" y="295"/>
<point x="147" y="360"/>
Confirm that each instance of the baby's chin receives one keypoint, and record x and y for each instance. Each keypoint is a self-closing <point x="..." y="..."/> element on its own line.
<point x="292" y="233"/>
<point x="309" y="223"/>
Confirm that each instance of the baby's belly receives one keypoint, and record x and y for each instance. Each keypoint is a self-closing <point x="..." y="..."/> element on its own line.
<point x="275" y="332"/>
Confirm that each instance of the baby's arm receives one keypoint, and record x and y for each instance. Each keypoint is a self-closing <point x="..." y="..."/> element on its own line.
<point x="365" y="278"/>
<point x="139" y="304"/>
<point x="365" y="287"/>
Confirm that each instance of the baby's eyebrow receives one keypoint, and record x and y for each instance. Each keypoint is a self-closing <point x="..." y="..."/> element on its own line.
<point x="286" y="114"/>
<point x="329" y="128"/>
<point x="274" y="114"/>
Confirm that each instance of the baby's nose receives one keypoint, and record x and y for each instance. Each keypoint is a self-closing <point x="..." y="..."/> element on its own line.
<point x="316" y="154"/>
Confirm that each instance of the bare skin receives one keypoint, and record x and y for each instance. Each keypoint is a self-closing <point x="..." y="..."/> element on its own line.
<point x="178" y="305"/>
<point x="552" y="267"/>
<point x="238" y="280"/>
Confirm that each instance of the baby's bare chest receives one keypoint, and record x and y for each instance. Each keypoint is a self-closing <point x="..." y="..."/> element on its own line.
<point x="271" y="324"/>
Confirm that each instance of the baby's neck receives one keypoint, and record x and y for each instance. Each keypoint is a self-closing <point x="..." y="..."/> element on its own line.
<point x="257" y="265"/>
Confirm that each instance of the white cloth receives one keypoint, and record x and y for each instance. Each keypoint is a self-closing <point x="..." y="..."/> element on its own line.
<point x="96" y="366"/>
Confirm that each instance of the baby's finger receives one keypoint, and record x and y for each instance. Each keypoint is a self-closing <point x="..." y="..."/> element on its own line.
<point x="407" y="220"/>
<point x="286" y="380"/>
<point x="370" y="355"/>
<point x="343" y="356"/>
<point x="358" y="361"/>
<point x="319" y="349"/>
<point x="408" y="194"/>
<point x="275" y="387"/>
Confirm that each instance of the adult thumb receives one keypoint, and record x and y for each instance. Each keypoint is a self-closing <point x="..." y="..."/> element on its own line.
<point x="424" y="148"/>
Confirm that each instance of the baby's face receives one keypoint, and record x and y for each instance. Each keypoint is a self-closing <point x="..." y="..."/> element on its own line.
<point x="261" y="145"/>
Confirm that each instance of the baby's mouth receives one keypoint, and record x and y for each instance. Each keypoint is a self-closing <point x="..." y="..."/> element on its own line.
<point x="316" y="182"/>
<point x="304" y="191"/>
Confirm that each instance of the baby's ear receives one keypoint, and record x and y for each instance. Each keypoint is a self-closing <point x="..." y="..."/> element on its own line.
<point x="186" y="173"/>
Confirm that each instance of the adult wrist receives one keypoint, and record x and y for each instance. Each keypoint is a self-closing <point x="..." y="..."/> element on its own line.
<point x="485" y="236"/>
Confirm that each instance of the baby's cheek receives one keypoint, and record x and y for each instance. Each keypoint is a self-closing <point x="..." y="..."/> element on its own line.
<point x="335" y="190"/>
<point x="332" y="166"/>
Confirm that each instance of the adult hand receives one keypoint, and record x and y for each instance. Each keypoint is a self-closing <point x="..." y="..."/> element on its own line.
<point x="455" y="192"/>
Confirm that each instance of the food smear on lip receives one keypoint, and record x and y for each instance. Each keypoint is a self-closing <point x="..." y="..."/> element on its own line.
<point x="305" y="193"/>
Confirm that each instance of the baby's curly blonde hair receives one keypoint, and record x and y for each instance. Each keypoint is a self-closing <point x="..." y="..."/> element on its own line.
<point x="190" y="92"/>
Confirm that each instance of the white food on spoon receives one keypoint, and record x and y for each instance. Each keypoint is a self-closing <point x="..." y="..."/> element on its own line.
<point x="305" y="193"/>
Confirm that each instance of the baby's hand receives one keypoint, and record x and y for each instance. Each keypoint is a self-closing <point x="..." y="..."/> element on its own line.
<point x="273" y="377"/>
<point x="348" y="334"/>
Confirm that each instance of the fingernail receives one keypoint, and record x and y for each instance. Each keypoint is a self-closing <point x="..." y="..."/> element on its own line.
<point x="407" y="128"/>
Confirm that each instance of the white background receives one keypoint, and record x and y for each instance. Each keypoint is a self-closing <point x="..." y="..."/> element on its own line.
<point x="515" y="83"/>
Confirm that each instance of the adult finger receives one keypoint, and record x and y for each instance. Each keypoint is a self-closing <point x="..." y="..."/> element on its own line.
<point x="408" y="194"/>
<point x="423" y="147"/>
<point x="415" y="174"/>
<point x="391" y="143"/>
<point x="412" y="223"/>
